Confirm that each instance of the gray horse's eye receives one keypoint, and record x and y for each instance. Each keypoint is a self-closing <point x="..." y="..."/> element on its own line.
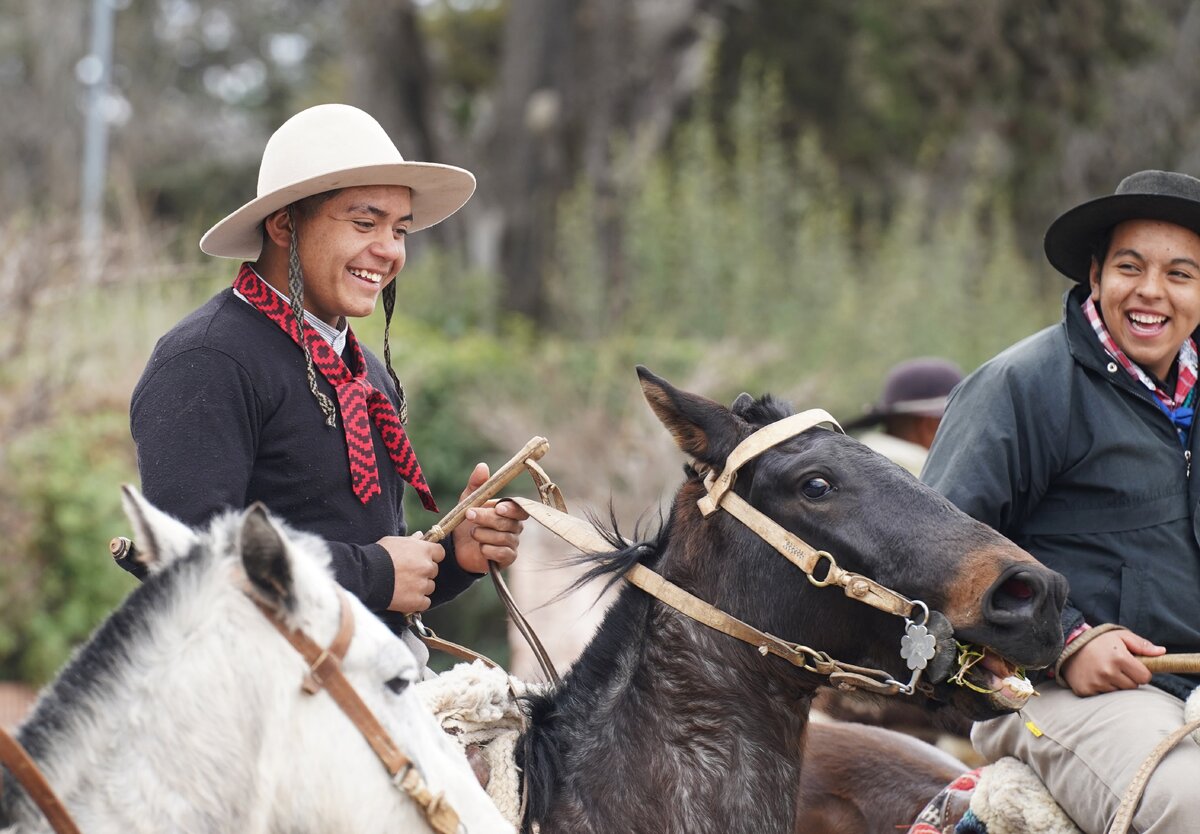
<point x="397" y="684"/>
<point x="816" y="488"/>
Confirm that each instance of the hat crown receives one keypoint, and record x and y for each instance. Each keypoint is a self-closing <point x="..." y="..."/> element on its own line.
<point x="322" y="140"/>
<point x="1161" y="184"/>
<point x="917" y="380"/>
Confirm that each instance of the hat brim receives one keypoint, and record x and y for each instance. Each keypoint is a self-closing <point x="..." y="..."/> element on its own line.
<point x="437" y="192"/>
<point x="1070" y="239"/>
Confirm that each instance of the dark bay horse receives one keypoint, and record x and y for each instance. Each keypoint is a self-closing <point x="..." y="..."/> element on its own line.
<point x="666" y="726"/>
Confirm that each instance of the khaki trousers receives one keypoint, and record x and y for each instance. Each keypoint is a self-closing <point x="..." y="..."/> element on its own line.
<point x="1090" y="748"/>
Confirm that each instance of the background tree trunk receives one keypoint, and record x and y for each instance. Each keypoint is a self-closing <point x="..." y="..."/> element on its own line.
<point x="576" y="76"/>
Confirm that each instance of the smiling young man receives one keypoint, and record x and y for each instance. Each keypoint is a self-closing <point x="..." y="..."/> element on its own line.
<point x="1078" y="444"/>
<point x="239" y="403"/>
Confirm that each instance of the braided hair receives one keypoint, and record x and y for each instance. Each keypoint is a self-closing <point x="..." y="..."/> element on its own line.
<point x="296" y="296"/>
<point x="389" y="304"/>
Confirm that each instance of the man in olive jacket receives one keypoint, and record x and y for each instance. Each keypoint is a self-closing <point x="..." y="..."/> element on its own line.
<point x="1077" y="443"/>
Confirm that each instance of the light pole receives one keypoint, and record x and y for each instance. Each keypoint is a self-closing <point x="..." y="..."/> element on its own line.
<point x="95" y="71"/>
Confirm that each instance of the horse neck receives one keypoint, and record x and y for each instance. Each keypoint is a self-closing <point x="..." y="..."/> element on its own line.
<point x="706" y="730"/>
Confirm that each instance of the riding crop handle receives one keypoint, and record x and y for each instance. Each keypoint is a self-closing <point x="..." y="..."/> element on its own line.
<point x="533" y="450"/>
<point x="1173" y="664"/>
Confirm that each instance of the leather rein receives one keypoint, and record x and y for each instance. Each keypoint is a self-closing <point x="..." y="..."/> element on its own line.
<point x="324" y="672"/>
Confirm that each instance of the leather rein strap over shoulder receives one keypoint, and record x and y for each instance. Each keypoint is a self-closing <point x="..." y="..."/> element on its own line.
<point x="325" y="672"/>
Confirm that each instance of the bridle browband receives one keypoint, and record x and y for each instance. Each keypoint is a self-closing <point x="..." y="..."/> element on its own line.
<point x="325" y="672"/>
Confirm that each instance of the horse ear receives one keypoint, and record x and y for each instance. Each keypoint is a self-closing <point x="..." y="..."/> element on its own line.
<point x="265" y="558"/>
<point x="702" y="428"/>
<point x="160" y="539"/>
<point x="743" y="402"/>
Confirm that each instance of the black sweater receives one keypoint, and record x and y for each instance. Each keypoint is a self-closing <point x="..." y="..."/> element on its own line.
<point x="223" y="417"/>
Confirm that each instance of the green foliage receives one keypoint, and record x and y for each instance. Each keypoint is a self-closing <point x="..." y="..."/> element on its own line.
<point x="752" y="242"/>
<point x="57" y="580"/>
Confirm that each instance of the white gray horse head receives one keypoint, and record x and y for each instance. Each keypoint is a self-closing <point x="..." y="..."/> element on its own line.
<point x="184" y="712"/>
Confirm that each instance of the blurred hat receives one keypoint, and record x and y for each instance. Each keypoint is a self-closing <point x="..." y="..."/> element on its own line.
<point x="335" y="146"/>
<point x="916" y="386"/>
<point x="1146" y="195"/>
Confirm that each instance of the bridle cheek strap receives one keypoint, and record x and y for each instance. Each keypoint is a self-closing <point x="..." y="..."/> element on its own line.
<point x="808" y="559"/>
<point x="325" y="672"/>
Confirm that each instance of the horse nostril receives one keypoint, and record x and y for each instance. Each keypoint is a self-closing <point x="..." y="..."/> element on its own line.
<point x="1017" y="594"/>
<point x="1018" y="588"/>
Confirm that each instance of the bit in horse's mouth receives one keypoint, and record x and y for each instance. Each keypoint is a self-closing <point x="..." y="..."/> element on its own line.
<point x="982" y="670"/>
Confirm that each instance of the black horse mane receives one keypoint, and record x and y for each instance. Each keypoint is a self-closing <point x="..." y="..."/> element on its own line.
<point x="644" y="548"/>
<point x="539" y="757"/>
<point x="760" y="412"/>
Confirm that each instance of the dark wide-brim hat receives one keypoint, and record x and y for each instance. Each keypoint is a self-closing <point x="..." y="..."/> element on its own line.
<point x="1146" y="195"/>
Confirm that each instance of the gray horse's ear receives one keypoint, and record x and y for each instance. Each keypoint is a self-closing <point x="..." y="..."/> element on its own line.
<point x="702" y="428"/>
<point x="265" y="558"/>
<point x="742" y="404"/>
<point x="159" y="538"/>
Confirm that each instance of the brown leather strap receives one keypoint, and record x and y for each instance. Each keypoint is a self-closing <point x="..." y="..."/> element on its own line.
<point x="1133" y="794"/>
<point x="523" y="626"/>
<point x="332" y="657"/>
<point x="769" y="435"/>
<point x="29" y="777"/>
<point x="325" y="670"/>
<point x="430" y="639"/>
<point x="809" y="560"/>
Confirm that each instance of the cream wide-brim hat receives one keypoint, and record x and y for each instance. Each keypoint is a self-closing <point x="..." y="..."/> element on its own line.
<point x="335" y="146"/>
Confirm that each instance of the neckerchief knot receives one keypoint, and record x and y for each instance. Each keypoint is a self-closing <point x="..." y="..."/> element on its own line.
<point x="359" y="403"/>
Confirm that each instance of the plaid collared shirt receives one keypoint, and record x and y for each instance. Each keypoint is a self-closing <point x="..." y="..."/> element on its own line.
<point x="1185" y="386"/>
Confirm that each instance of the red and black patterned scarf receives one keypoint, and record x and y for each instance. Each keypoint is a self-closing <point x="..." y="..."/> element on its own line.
<point x="356" y="397"/>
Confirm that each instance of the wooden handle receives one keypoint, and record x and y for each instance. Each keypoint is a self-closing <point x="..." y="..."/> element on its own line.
<point x="1175" y="664"/>
<point x="503" y="476"/>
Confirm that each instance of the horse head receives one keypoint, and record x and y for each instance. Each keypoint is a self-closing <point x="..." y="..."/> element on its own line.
<point x="188" y="700"/>
<point x="994" y="609"/>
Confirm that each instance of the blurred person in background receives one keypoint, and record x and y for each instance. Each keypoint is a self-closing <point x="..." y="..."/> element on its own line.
<point x="902" y="423"/>
<point x="1078" y="444"/>
<point x="238" y="404"/>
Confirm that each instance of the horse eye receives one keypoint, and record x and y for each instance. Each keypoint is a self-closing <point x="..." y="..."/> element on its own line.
<point x="816" y="488"/>
<point x="397" y="684"/>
